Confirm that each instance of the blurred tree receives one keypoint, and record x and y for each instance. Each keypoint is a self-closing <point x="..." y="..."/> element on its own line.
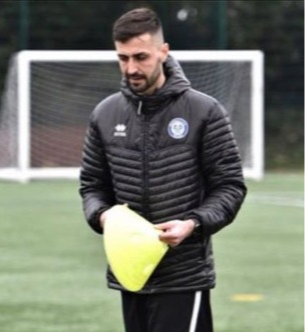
<point x="8" y="34"/>
<point x="276" y="27"/>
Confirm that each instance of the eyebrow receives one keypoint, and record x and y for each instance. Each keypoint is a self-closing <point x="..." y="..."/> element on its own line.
<point x="133" y="55"/>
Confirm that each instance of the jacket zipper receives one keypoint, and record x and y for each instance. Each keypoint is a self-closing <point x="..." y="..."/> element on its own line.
<point x="145" y="126"/>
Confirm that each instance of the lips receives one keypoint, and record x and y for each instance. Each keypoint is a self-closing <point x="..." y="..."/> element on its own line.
<point x="135" y="78"/>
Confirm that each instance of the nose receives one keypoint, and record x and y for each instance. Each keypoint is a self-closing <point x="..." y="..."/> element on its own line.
<point x="131" y="67"/>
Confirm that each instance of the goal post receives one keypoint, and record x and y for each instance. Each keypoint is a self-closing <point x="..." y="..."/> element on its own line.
<point x="49" y="95"/>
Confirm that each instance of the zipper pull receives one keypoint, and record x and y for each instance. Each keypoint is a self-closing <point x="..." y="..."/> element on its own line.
<point x="139" y="107"/>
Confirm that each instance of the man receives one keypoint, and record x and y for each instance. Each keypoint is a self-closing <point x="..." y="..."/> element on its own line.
<point x="167" y="151"/>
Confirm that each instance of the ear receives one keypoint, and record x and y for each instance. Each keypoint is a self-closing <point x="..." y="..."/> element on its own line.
<point x="164" y="51"/>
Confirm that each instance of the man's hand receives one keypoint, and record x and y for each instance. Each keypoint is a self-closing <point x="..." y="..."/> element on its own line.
<point x="175" y="231"/>
<point x="103" y="217"/>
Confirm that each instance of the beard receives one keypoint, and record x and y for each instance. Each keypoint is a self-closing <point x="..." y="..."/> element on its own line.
<point x="140" y="83"/>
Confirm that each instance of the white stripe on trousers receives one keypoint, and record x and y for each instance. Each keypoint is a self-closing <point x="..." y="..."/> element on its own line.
<point x="196" y="307"/>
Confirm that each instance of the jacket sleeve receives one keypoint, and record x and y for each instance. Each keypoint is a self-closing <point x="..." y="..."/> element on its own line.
<point x="95" y="179"/>
<point x="225" y="188"/>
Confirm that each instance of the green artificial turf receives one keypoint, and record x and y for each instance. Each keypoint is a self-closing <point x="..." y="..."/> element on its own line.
<point x="52" y="266"/>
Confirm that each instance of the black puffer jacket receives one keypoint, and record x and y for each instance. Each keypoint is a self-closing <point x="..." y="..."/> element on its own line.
<point x="169" y="156"/>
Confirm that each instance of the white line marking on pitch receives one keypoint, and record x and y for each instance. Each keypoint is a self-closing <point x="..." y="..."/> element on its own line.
<point x="276" y="200"/>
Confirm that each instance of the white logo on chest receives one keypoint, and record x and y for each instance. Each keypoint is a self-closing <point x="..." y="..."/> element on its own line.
<point x="178" y="128"/>
<point x="120" y="130"/>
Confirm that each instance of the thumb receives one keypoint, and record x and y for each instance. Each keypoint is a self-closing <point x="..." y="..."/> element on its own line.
<point x="163" y="226"/>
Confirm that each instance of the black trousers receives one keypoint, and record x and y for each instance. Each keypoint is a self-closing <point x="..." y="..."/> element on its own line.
<point x="170" y="312"/>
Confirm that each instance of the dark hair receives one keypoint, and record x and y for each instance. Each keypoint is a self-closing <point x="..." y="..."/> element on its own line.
<point x="135" y="23"/>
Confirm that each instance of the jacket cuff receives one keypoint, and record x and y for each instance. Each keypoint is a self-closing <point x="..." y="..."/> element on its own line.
<point x="198" y="230"/>
<point x="95" y="221"/>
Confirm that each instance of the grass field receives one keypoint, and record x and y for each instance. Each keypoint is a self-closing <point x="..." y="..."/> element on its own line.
<point x="52" y="265"/>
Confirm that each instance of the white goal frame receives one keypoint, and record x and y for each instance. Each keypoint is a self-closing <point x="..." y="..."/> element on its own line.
<point x="23" y="172"/>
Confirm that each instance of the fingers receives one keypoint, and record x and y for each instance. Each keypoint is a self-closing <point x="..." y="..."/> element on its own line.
<point x="171" y="232"/>
<point x="164" y="226"/>
<point x="170" y="241"/>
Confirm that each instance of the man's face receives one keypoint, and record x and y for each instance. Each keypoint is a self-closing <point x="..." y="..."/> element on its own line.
<point x="140" y="60"/>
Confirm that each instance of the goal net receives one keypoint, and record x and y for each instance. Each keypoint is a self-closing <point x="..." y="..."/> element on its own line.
<point x="49" y="96"/>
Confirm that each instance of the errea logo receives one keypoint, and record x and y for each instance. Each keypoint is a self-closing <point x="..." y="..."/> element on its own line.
<point x="120" y="130"/>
